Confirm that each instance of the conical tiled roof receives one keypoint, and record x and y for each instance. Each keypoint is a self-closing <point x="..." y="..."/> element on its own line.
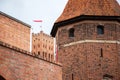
<point x="75" y="8"/>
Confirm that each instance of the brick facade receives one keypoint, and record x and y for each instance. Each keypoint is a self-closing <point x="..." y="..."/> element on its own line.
<point x="14" y="32"/>
<point x="87" y="34"/>
<point x="43" y="45"/>
<point x="82" y="60"/>
<point x="16" y="64"/>
<point x="118" y="48"/>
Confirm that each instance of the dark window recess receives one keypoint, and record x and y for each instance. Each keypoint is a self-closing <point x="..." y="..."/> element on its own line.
<point x="101" y="52"/>
<point x="100" y="29"/>
<point x="46" y="55"/>
<point x="49" y="56"/>
<point x="71" y="32"/>
<point x="2" y="78"/>
<point x="72" y="77"/>
<point x="107" y="77"/>
<point x="38" y="53"/>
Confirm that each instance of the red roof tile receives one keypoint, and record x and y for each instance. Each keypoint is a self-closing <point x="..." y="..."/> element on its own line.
<point x="76" y="8"/>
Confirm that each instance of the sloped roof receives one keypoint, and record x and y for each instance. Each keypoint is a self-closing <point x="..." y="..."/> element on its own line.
<point x="76" y="8"/>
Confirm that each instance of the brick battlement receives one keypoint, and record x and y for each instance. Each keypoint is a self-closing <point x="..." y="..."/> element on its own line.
<point x="41" y="33"/>
<point x="43" y="45"/>
<point x="26" y="52"/>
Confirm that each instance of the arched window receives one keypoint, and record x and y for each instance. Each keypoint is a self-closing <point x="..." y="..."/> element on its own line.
<point x="2" y="78"/>
<point x="100" y="29"/>
<point x="71" y="32"/>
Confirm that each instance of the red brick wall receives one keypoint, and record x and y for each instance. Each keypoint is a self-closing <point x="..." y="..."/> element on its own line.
<point x="14" y="33"/>
<point x="43" y="45"/>
<point x="82" y="61"/>
<point x="118" y="38"/>
<point x="18" y="65"/>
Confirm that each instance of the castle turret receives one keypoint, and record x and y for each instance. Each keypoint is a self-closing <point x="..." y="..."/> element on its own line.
<point x="88" y="38"/>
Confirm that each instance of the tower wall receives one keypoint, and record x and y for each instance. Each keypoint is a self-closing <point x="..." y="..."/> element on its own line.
<point x="87" y="55"/>
<point x="118" y="38"/>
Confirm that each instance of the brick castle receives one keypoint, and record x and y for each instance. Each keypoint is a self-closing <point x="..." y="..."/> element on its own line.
<point x="16" y="62"/>
<point x="88" y="39"/>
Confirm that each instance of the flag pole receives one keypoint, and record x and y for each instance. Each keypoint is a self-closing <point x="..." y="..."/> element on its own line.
<point x="39" y="21"/>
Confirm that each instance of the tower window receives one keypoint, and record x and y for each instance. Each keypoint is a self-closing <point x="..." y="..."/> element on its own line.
<point x="72" y="77"/>
<point x="38" y="52"/>
<point x="107" y="77"/>
<point x="100" y="29"/>
<point x="101" y="52"/>
<point x="71" y="32"/>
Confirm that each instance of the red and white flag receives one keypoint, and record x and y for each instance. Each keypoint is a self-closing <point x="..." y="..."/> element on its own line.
<point x="37" y="20"/>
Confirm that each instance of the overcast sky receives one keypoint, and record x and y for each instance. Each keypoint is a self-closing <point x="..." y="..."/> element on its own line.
<point x="29" y="10"/>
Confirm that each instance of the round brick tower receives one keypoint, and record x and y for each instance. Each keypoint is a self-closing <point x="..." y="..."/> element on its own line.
<point x="88" y="39"/>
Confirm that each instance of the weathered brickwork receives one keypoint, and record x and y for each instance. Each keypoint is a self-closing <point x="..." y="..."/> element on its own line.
<point x="94" y="55"/>
<point x="14" y="32"/>
<point x="118" y="38"/>
<point x="43" y="45"/>
<point x="18" y="65"/>
<point x="88" y="30"/>
<point x="88" y="39"/>
<point x="16" y="62"/>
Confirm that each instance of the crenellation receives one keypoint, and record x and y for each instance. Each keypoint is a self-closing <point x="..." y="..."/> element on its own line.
<point x="26" y="52"/>
<point x="87" y="40"/>
<point x="43" y="46"/>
